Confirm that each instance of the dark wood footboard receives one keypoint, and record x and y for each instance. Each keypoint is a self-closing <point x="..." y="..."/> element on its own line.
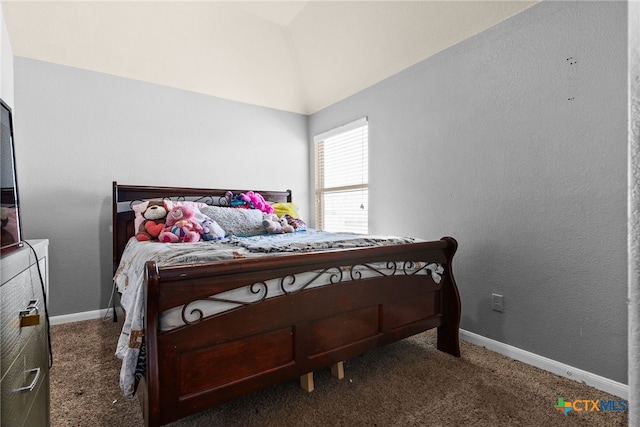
<point x="222" y="357"/>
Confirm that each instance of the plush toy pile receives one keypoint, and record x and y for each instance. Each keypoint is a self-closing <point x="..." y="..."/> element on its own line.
<point x="185" y="221"/>
<point x="169" y="222"/>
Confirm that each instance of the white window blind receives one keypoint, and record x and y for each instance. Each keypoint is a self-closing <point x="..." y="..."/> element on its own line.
<point x="342" y="178"/>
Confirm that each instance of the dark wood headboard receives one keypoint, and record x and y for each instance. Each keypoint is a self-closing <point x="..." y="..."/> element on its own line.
<point x="124" y="197"/>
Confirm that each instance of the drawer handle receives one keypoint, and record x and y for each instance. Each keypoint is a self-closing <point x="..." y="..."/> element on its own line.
<point x="30" y="316"/>
<point x="31" y="386"/>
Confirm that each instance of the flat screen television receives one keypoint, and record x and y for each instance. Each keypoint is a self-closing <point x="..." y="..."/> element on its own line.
<point x="10" y="203"/>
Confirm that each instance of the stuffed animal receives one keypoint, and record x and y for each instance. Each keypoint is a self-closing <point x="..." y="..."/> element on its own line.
<point x="154" y="213"/>
<point x="181" y="226"/>
<point x="211" y="230"/>
<point x="275" y="225"/>
<point x="248" y="200"/>
<point x="258" y="202"/>
<point x="296" y="223"/>
<point x="237" y="200"/>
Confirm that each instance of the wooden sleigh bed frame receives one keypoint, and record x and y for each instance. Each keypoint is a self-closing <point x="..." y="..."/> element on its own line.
<point x="278" y="339"/>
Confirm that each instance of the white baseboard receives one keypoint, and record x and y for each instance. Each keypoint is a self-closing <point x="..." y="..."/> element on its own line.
<point x="85" y="315"/>
<point x="596" y="381"/>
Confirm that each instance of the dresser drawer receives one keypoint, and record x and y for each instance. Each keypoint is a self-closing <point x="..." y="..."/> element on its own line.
<point x="15" y="296"/>
<point x="38" y="414"/>
<point x="25" y="378"/>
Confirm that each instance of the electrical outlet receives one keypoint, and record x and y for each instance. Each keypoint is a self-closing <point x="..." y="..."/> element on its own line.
<point x="497" y="303"/>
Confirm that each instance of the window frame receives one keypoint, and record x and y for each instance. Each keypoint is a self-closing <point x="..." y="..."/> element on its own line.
<point x="321" y="190"/>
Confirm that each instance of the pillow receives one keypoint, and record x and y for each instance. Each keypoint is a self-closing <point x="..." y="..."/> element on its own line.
<point x="137" y="208"/>
<point x="236" y="221"/>
<point x="281" y="209"/>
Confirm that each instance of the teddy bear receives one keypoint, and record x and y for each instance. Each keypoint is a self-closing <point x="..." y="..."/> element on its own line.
<point x="154" y="213"/>
<point x="275" y="225"/>
<point x="211" y="230"/>
<point x="181" y="226"/>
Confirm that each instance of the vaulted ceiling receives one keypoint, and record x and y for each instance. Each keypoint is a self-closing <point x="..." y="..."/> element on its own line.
<point x="298" y="56"/>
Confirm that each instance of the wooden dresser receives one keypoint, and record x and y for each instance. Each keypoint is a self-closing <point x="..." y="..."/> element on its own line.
<point x="24" y="346"/>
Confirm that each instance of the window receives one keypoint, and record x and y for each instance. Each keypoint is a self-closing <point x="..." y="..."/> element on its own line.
<point x="342" y="178"/>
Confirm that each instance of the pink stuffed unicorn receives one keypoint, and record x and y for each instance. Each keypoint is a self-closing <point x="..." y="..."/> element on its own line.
<point x="257" y="201"/>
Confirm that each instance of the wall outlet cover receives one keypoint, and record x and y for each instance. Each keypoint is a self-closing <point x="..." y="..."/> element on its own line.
<point x="497" y="303"/>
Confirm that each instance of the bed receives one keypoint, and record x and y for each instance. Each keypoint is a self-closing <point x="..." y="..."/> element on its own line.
<point x="307" y="309"/>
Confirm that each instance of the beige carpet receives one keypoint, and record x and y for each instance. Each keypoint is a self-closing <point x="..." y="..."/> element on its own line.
<point x="409" y="383"/>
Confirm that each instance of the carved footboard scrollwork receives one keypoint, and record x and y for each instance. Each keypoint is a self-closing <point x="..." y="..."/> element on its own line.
<point x="188" y="313"/>
<point x="196" y="311"/>
<point x="287" y="283"/>
<point x="409" y="268"/>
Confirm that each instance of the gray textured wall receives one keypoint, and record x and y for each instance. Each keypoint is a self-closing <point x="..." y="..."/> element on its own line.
<point x="77" y="131"/>
<point x="634" y="213"/>
<point x="514" y="142"/>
